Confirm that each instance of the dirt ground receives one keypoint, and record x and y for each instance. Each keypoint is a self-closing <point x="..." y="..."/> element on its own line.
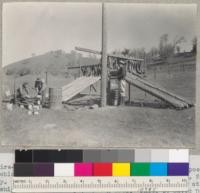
<point x="105" y="127"/>
<point x="136" y="125"/>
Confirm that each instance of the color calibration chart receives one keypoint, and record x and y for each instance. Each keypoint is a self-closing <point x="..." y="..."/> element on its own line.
<point x="101" y="170"/>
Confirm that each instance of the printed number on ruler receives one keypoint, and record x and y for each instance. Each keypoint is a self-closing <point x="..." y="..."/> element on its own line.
<point x="99" y="184"/>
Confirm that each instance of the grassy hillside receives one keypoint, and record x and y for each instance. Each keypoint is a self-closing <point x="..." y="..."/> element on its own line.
<point x="54" y="62"/>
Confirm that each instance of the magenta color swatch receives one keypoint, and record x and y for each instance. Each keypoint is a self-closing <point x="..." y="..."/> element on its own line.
<point x="83" y="169"/>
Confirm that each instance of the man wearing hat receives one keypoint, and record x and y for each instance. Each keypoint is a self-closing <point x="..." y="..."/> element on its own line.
<point x="39" y="84"/>
<point x="40" y="87"/>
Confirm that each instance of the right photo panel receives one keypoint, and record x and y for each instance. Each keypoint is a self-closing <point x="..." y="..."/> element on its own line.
<point x="152" y="70"/>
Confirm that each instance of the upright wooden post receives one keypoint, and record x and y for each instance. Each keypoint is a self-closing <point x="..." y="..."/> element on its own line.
<point x="104" y="59"/>
<point x="79" y="69"/>
<point x="145" y="65"/>
<point x="14" y="91"/>
<point x="46" y="77"/>
<point x="129" y="92"/>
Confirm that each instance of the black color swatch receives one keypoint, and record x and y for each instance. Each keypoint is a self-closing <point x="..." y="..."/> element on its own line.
<point x="23" y="169"/>
<point x="63" y="156"/>
<point x="23" y="156"/>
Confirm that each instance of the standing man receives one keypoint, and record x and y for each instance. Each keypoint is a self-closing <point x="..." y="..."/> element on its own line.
<point x="40" y="87"/>
<point x="122" y="74"/>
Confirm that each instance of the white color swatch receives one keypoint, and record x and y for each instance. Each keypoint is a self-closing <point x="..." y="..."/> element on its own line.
<point x="63" y="169"/>
<point x="178" y="155"/>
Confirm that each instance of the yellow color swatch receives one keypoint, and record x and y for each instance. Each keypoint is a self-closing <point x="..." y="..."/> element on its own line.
<point x="120" y="169"/>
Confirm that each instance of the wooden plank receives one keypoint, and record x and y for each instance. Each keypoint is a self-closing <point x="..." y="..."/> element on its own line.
<point x="163" y="90"/>
<point x="77" y="86"/>
<point x="72" y="83"/>
<point x="157" y="92"/>
<point x="72" y="93"/>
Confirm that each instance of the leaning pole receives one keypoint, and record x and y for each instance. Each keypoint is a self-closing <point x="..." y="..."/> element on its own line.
<point x="104" y="59"/>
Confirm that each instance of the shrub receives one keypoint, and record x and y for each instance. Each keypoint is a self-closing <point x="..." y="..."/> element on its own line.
<point x="10" y="72"/>
<point x="24" y="71"/>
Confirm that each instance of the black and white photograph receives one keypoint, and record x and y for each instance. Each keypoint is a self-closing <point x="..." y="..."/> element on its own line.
<point x="93" y="75"/>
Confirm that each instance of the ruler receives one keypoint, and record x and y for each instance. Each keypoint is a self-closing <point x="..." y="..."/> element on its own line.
<point x="99" y="184"/>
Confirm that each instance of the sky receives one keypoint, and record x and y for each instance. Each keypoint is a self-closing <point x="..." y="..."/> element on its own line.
<point x="141" y="25"/>
<point x="41" y="27"/>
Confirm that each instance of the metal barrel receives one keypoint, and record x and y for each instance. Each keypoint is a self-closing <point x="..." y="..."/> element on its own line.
<point x="114" y="91"/>
<point x="55" y="98"/>
<point x="114" y="97"/>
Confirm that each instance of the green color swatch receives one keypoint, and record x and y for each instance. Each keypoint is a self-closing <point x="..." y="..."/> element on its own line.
<point x="140" y="169"/>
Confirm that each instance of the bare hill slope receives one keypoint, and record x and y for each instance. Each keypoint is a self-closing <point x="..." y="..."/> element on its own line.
<point x="54" y="62"/>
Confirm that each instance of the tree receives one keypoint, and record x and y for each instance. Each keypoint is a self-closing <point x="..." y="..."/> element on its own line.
<point x="166" y="48"/>
<point x="194" y="45"/>
<point x="178" y="40"/>
<point x="10" y="72"/>
<point x="178" y="49"/>
<point x="24" y="71"/>
<point x="154" y="52"/>
<point x="162" y="45"/>
<point x="126" y="52"/>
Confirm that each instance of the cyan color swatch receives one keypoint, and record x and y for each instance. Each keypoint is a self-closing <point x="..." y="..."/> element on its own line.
<point x="158" y="169"/>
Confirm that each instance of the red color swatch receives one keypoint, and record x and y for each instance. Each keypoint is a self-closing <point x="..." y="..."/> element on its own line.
<point x="102" y="169"/>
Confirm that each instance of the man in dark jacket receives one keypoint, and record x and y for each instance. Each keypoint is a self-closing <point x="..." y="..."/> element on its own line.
<point x="39" y="86"/>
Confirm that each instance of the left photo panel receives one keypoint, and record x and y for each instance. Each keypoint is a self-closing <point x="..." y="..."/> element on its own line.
<point x="49" y="84"/>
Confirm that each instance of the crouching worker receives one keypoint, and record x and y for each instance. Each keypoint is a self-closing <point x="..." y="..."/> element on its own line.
<point x="23" y="92"/>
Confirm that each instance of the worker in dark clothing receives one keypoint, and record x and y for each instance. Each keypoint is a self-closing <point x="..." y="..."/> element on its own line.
<point x="39" y="86"/>
<point x="40" y="89"/>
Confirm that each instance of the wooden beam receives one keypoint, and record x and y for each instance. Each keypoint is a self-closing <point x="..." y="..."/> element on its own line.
<point x="104" y="58"/>
<point x="88" y="50"/>
<point x="74" y="67"/>
<point x="109" y="55"/>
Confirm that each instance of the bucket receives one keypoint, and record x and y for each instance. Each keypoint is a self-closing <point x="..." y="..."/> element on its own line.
<point x="55" y="98"/>
<point x="9" y="106"/>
